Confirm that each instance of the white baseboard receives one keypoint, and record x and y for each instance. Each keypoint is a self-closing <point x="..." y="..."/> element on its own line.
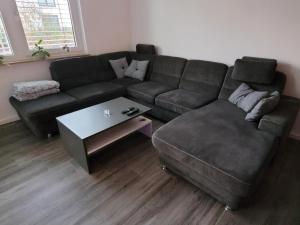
<point x="9" y="119"/>
<point x="295" y="136"/>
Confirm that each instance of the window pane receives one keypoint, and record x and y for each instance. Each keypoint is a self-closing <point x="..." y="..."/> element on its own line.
<point x="47" y="20"/>
<point x="5" y="48"/>
<point x="48" y="3"/>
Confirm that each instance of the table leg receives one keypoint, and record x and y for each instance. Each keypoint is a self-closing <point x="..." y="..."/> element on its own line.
<point x="147" y="130"/>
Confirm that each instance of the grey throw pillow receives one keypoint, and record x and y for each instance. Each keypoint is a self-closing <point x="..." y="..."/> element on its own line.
<point x="246" y="98"/>
<point x="119" y="66"/>
<point x="264" y="106"/>
<point x="137" y="69"/>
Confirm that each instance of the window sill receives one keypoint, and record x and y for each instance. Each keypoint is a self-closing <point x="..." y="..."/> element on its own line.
<point x="51" y="58"/>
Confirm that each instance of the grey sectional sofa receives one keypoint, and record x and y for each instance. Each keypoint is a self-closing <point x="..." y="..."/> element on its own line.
<point x="206" y="140"/>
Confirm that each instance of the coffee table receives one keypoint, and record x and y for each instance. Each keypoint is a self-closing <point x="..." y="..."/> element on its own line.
<point x="90" y="130"/>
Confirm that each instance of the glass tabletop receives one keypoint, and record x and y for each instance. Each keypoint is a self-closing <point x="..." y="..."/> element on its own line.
<point x="95" y="119"/>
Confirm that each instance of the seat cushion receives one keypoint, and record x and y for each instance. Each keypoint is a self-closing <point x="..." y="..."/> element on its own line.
<point x="97" y="93"/>
<point x="126" y="81"/>
<point x="147" y="91"/>
<point x="217" y="143"/>
<point x="52" y="105"/>
<point x="181" y="101"/>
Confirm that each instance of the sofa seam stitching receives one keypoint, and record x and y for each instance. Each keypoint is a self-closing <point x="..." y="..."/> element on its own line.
<point x="173" y="104"/>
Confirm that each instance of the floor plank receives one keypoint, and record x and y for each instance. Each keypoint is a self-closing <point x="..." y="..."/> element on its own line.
<point x="41" y="184"/>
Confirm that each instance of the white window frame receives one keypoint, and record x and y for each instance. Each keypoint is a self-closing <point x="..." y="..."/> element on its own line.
<point x="8" y="38"/>
<point x="17" y="36"/>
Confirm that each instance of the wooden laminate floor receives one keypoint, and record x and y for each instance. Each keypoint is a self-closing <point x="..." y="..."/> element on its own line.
<point x="40" y="184"/>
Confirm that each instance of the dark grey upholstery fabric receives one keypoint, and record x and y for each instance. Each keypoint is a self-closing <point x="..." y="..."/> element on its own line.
<point x="219" y="144"/>
<point x="39" y="114"/>
<point x="97" y="93"/>
<point x="204" y="183"/>
<point x="157" y="112"/>
<point x="75" y="72"/>
<point x="126" y="81"/>
<point x="46" y="105"/>
<point x="199" y="85"/>
<point x="254" y="71"/>
<point x="167" y="70"/>
<point x="181" y="101"/>
<point x="147" y="91"/>
<point x="230" y="85"/>
<point x="71" y="73"/>
<point x="146" y="49"/>
<point x="280" y="120"/>
<point x="202" y="75"/>
<point x="259" y="59"/>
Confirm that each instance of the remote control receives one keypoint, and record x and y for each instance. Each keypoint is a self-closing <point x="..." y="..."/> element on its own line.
<point x="131" y="113"/>
<point x="128" y="110"/>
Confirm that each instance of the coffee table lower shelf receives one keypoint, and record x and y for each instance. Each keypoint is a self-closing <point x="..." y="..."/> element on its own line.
<point x="83" y="149"/>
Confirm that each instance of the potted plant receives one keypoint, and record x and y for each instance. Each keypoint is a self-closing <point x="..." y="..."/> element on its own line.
<point x="40" y="51"/>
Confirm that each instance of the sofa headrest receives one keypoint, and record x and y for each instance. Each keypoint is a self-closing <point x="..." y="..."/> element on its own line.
<point x="146" y="49"/>
<point x="230" y="84"/>
<point x="254" y="70"/>
<point x="259" y="59"/>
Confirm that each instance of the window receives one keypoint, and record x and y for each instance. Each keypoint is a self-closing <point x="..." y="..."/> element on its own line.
<point x="5" y="48"/>
<point x="47" y="3"/>
<point x="51" y="22"/>
<point x="52" y="25"/>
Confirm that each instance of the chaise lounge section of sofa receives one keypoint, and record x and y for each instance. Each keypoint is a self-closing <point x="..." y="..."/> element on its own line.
<point x="216" y="149"/>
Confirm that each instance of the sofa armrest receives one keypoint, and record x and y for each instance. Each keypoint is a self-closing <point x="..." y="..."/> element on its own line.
<point x="280" y="121"/>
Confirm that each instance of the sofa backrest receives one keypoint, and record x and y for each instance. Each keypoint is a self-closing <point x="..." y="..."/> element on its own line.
<point x="167" y="70"/>
<point x="74" y="72"/>
<point x="230" y="85"/>
<point x="104" y="68"/>
<point x="202" y="75"/>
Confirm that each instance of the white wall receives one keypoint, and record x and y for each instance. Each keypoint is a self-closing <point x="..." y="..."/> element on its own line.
<point x="223" y="31"/>
<point x="106" y="26"/>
